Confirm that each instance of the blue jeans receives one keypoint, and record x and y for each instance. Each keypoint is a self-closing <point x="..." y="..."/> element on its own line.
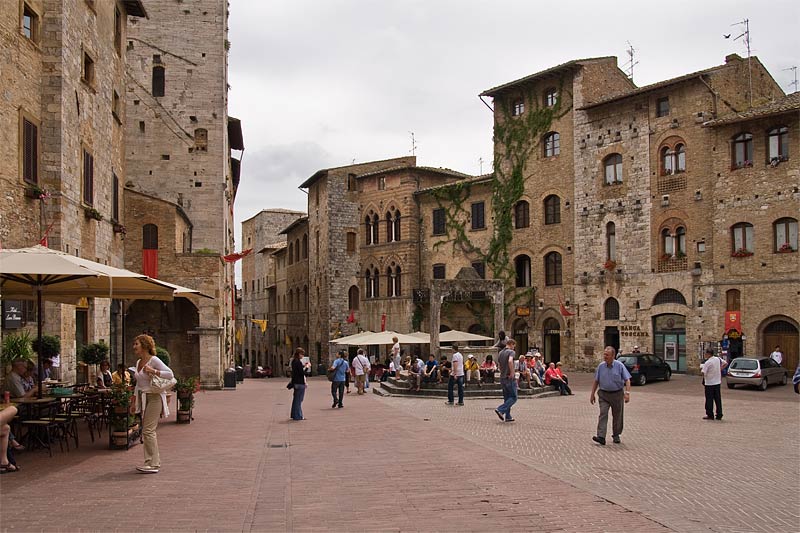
<point x="509" y="395"/>
<point x="451" y="383"/>
<point x="297" y="401"/>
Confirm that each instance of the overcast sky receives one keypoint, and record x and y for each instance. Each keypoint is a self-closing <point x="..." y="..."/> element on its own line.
<point x="324" y="83"/>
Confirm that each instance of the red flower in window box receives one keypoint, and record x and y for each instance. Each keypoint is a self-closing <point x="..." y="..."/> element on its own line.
<point x="610" y="265"/>
<point x="742" y="252"/>
<point x="785" y="248"/>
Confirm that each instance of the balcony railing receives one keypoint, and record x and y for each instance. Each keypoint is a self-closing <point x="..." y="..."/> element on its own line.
<point x="672" y="264"/>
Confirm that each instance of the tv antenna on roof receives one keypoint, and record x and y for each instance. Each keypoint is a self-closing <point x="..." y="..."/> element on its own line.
<point x="413" y="150"/>
<point x="631" y="51"/>
<point x="794" y="82"/>
<point x="745" y="36"/>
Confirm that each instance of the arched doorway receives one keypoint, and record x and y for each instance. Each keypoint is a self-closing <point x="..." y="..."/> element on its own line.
<point x="669" y="340"/>
<point x="781" y="332"/>
<point x="521" y="335"/>
<point x="551" y="333"/>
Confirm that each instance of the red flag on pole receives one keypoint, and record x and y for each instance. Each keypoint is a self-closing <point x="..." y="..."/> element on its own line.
<point x="563" y="308"/>
<point x="232" y="258"/>
<point x="352" y="317"/>
<point x="43" y="241"/>
<point x="383" y="322"/>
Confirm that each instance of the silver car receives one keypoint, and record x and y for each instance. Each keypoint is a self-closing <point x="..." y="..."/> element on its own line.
<point x="756" y="372"/>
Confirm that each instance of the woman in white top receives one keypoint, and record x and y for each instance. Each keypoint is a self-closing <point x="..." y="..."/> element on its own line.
<point x="151" y="405"/>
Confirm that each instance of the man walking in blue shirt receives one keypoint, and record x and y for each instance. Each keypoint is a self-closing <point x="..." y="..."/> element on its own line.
<point x="614" y="382"/>
<point x="340" y="368"/>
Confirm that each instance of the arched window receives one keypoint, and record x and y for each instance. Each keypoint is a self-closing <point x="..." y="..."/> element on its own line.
<point x="522" y="265"/>
<point x="777" y="145"/>
<point x="742" y="151"/>
<point x="680" y="241"/>
<point x="389" y="227"/>
<point x="552" y="209"/>
<point x="521" y="215"/>
<point x="376" y="285"/>
<point x="393" y="279"/>
<point x="150" y="237"/>
<point x="667" y="160"/>
<point x="732" y="300"/>
<point x="305" y="246"/>
<point x="368" y="284"/>
<point x="611" y="309"/>
<point x="550" y="97"/>
<point x="612" y="168"/>
<point x="667" y="243"/>
<point x="290" y="255"/>
<point x="669" y="296"/>
<point x="398" y="286"/>
<point x="368" y="228"/>
<point x="680" y="158"/>
<point x="611" y="242"/>
<point x="552" y="269"/>
<point x="397" y="226"/>
<point x="352" y="298"/>
<point x="159" y="82"/>
<point x="552" y="144"/>
<point x="375" y="228"/>
<point x="742" y="238"/>
<point x="785" y="230"/>
<point x="297" y="250"/>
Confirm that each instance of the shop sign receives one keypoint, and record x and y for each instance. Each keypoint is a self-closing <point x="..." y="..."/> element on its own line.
<point x="12" y="314"/>
<point x="523" y="310"/>
<point x="633" y="330"/>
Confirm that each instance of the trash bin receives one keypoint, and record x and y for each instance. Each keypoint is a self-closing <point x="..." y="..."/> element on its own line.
<point x="240" y="374"/>
<point x="229" y="378"/>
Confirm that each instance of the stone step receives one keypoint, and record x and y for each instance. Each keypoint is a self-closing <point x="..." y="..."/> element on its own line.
<point x="389" y="388"/>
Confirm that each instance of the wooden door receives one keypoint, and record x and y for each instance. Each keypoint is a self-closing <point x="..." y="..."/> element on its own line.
<point x="782" y="333"/>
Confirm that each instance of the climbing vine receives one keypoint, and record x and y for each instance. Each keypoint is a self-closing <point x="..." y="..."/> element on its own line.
<point x="515" y="139"/>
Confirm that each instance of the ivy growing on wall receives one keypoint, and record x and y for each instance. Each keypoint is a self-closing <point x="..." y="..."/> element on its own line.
<point x="515" y="139"/>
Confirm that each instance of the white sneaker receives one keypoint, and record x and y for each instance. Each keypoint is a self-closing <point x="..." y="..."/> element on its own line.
<point x="147" y="469"/>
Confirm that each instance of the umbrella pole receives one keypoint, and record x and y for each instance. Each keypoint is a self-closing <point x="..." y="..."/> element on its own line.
<point x="39" y="334"/>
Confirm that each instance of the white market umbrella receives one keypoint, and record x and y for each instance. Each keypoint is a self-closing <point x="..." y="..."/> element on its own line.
<point x="455" y="335"/>
<point x="386" y="337"/>
<point x="41" y="273"/>
<point x="351" y="339"/>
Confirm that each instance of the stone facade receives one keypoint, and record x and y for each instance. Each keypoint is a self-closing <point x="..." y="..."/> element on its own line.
<point x="624" y="231"/>
<point x="63" y="96"/>
<point x="179" y="142"/>
<point x="259" y="232"/>
<point x="297" y="279"/>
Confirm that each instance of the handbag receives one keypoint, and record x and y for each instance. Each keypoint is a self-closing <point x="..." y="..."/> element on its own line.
<point x="330" y="373"/>
<point x="159" y="384"/>
<point x="290" y="385"/>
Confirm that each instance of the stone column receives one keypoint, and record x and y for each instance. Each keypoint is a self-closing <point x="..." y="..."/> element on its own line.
<point x="499" y="315"/>
<point x="436" y="308"/>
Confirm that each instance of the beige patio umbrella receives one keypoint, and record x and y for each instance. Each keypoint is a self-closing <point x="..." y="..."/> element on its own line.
<point x="385" y="337"/>
<point x="455" y="335"/>
<point x="351" y="339"/>
<point x="43" y="274"/>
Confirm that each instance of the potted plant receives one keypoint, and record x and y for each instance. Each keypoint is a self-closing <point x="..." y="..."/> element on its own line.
<point x="93" y="354"/>
<point x="162" y="354"/>
<point x="92" y="213"/>
<point x="122" y="418"/>
<point x="50" y="346"/>
<point x="36" y="192"/>
<point x="16" y="346"/>
<point x="185" y="389"/>
<point x="119" y="228"/>
<point x="610" y="265"/>
<point x="785" y="248"/>
<point x="742" y="252"/>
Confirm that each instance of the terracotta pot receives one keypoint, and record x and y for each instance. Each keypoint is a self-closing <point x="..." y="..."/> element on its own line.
<point x="184" y="417"/>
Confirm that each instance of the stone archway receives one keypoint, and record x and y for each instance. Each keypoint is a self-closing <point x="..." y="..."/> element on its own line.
<point x="780" y="331"/>
<point x="169" y="323"/>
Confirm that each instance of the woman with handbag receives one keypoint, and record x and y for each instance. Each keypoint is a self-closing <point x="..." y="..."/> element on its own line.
<point x="152" y="383"/>
<point x="298" y="384"/>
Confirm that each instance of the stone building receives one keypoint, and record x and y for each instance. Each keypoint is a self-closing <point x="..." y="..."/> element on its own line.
<point x="297" y="278"/>
<point x="259" y="232"/>
<point x="62" y="135"/>
<point x="278" y="315"/>
<point x="663" y="217"/>
<point x="179" y="149"/>
<point x="365" y="232"/>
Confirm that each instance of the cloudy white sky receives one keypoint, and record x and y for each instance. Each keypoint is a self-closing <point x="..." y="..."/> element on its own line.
<point x="322" y="83"/>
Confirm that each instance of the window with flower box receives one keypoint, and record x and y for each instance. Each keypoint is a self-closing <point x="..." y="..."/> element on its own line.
<point x="742" y="239"/>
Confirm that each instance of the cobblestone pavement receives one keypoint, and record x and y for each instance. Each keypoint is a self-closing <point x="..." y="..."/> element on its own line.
<point x="400" y="464"/>
<point x="690" y="474"/>
<point x="242" y="466"/>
